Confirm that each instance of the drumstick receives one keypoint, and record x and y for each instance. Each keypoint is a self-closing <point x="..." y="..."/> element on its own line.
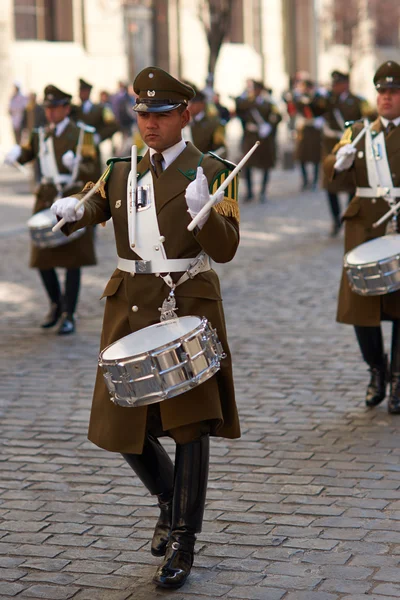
<point x="354" y="142"/>
<point x="387" y="215"/>
<point x="90" y="193"/>
<point x="221" y="188"/>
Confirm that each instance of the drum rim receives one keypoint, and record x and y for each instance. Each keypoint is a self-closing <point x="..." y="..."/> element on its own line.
<point x="44" y="226"/>
<point x="203" y="322"/>
<point x="390" y="236"/>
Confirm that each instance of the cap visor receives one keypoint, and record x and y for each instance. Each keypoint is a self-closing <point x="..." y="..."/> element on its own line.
<point x="155" y="108"/>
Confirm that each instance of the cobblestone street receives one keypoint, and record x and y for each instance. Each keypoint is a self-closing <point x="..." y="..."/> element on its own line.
<point x="305" y="506"/>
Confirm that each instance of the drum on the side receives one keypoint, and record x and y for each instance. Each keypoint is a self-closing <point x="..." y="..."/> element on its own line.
<point x="373" y="268"/>
<point x="40" y="227"/>
<point x="161" y="361"/>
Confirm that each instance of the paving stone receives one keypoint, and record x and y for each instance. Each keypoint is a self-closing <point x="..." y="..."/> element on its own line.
<point x="51" y="592"/>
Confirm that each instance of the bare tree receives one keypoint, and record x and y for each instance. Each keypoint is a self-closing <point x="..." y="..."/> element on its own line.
<point x="215" y="16"/>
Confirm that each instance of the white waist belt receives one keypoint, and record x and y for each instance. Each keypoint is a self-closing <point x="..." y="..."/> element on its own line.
<point x="378" y="192"/>
<point x="193" y="266"/>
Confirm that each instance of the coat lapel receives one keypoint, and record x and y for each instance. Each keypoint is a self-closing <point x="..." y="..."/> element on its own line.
<point x="392" y="141"/>
<point x="143" y="166"/>
<point x="175" y="179"/>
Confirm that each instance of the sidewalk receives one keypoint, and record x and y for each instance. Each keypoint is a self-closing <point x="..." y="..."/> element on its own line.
<point x="305" y="506"/>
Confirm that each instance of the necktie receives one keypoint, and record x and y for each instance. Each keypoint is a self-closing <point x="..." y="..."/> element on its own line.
<point x="157" y="159"/>
<point x="389" y="127"/>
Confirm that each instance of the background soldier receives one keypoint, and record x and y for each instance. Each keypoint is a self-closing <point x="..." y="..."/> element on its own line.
<point x="309" y="106"/>
<point x="171" y="171"/>
<point x="99" y="116"/>
<point x="260" y="118"/>
<point x="368" y="205"/>
<point x="341" y="106"/>
<point x="205" y="129"/>
<point x="65" y="154"/>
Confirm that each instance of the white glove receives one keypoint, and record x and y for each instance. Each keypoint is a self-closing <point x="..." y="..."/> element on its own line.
<point x="12" y="155"/>
<point x="197" y="195"/>
<point x="264" y="130"/>
<point x="96" y="138"/>
<point x="319" y="122"/>
<point x="68" y="160"/>
<point x="345" y="157"/>
<point x="65" y="209"/>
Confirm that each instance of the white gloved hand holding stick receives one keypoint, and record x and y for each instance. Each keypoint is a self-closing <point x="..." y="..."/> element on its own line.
<point x="64" y="208"/>
<point x="197" y="195"/>
<point x="68" y="160"/>
<point x="13" y="155"/>
<point x="345" y="157"/>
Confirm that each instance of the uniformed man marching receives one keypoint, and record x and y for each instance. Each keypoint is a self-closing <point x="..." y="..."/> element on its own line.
<point x="260" y="118"/>
<point x="205" y="129"/>
<point x="67" y="158"/>
<point x="181" y="179"/>
<point x="341" y="106"/>
<point x="371" y="201"/>
<point x="99" y="116"/>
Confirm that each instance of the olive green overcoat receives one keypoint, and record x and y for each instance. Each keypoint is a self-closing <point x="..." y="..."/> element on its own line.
<point x="79" y="252"/>
<point x="122" y="429"/>
<point x="361" y="213"/>
<point x="208" y="134"/>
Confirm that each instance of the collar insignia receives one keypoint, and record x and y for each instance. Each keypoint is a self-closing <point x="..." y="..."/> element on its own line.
<point x="118" y="203"/>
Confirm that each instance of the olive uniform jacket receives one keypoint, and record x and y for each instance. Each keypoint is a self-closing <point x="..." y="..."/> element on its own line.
<point x="122" y="429"/>
<point x="351" y="108"/>
<point x="308" y="137"/>
<point x="79" y="252"/>
<point x="208" y="134"/>
<point x="361" y="213"/>
<point x="102" y="119"/>
<point x="246" y="110"/>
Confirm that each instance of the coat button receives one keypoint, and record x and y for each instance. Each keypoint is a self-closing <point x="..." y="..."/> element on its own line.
<point x="162" y="239"/>
<point x="373" y="200"/>
<point x="156" y="247"/>
<point x="135" y="308"/>
<point x="132" y="274"/>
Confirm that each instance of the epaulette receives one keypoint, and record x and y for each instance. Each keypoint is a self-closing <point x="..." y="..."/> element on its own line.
<point x="227" y="163"/>
<point x="115" y="159"/>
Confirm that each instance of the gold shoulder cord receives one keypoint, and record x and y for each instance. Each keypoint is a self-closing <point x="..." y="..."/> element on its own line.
<point x="103" y="180"/>
<point x="228" y="207"/>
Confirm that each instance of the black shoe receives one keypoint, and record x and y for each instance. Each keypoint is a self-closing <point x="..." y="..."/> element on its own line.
<point x="163" y="529"/>
<point x="67" y="325"/>
<point x="376" y="390"/>
<point x="52" y="316"/>
<point x="248" y="198"/>
<point x="178" y="561"/>
<point x="394" y="400"/>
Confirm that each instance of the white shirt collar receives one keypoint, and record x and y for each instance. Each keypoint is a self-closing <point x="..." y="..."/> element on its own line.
<point x="87" y="106"/>
<point x="385" y="122"/>
<point x="170" y="154"/>
<point x="61" y="126"/>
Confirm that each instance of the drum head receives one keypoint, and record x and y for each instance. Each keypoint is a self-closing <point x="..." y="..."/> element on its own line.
<point x="150" y="338"/>
<point x="375" y="250"/>
<point x="44" y="218"/>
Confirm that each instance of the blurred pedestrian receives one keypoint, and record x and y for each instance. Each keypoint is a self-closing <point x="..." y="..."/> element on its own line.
<point x="16" y="108"/>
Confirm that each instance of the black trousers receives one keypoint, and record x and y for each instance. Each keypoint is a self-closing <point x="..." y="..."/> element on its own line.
<point x="334" y="205"/>
<point x="249" y="181"/>
<point x="69" y="299"/>
<point x="305" y="175"/>
<point x="370" y="340"/>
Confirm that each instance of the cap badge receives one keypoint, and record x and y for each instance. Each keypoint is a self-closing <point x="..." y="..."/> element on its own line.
<point x="389" y="79"/>
<point x="151" y="93"/>
<point x="50" y="96"/>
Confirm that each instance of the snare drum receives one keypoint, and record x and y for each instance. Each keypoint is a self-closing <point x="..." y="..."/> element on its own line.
<point x="373" y="268"/>
<point x="40" y="227"/>
<point x="161" y="361"/>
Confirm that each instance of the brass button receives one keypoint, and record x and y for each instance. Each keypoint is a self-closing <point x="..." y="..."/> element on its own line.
<point x="135" y="308"/>
<point x="132" y="274"/>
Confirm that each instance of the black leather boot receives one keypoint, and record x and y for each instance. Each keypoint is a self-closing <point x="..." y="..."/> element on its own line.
<point x="376" y="390"/>
<point x="394" y="399"/>
<point x="191" y="475"/>
<point x="156" y="471"/>
<point x="52" y="316"/>
<point x="67" y="324"/>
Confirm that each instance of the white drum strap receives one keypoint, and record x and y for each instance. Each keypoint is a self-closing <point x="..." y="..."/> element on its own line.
<point x="379" y="176"/>
<point x="339" y="118"/>
<point x="47" y="158"/>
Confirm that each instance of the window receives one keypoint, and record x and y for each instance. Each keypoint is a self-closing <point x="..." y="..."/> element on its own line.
<point x="50" y="20"/>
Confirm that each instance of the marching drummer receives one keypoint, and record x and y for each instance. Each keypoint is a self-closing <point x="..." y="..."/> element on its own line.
<point x="164" y="268"/>
<point x="374" y="162"/>
<point x="67" y="159"/>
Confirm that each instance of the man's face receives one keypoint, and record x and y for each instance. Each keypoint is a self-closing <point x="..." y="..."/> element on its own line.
<point x="84" y="94"/>
<point x="55" y="114"/>
<point x="162" y="130"/>
<point x="339" y="87"/>
<point x="196" y="107"/>
<point x="388" y="103"/>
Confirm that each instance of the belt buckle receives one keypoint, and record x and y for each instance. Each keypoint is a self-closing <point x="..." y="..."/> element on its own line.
<point x="143" y="266"/>
<point x="196" y="266"/>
